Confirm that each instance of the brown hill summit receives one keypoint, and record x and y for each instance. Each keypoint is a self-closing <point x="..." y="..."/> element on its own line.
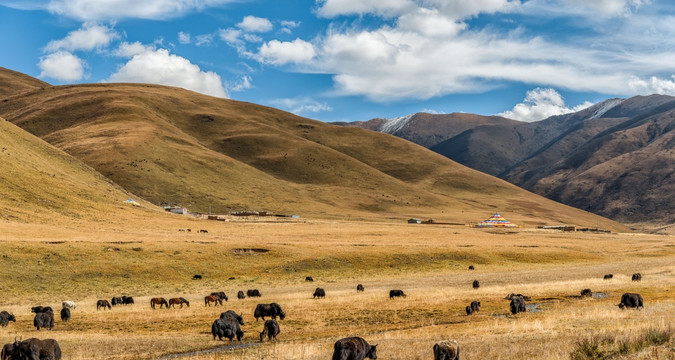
<point x="171" y="145"/>
<point x="41" y="183"/>
<point x="13" y="83"/>
<point x="429" y="130"/>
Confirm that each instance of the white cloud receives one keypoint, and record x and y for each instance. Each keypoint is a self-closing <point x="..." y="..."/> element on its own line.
<point x="430" y="22"/>
<point x="243" y="84"/>
<point x="90" y="36"/>
<point x="290" y="24"/>
<point x="608" y="7"/>
<point x="255" y="24"/>
<point x="280" y="53"/>
<point x="62" y="66"/>
<point x="301" y="106"/>
<point x="128" y="50"/>
<point x="653" y="85"/>
<point x="117" y="9"/>
<point x="161" y="67"/>
<point x="183" y="38"/>
<point x="231" y="36"/>
<point x="389" y="8"/>
<point x="540" y="104"/>
<point x="204" y="39"/>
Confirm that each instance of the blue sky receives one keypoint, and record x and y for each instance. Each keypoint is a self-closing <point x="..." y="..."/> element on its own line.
<point x="346" y="60"/>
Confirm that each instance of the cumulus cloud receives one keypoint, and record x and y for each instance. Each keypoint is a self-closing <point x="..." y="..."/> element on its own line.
<point x="183" y="38"/>
<point x="62" y="66"/>
<point x="90" y="36"/>
<point x="128" y="50"/>
<point x="280" y="53"/>
<point x="609" y="7"/>
<point x="653" y="85"/>
<point x="540" y="104"/>
<point x="161" y="67"/>
<point x="204" y="39"/>
<point x="118" y="9"/>
<point x="303" y="105"/>
<point x="255" y="24"/>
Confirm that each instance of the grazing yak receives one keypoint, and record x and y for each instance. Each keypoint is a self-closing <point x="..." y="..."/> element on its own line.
<point x="637" y="277"/>
<point x="253" y="293"/>
<point x="475" y="306"/>
<point x="608" y="277"/>
<point x="230" y="314"/>
<point x="103" y="304"/>
<point x="65" y="314"/>
<point x="586" y="293"/>
<point x="6" y="317"/>
<point x="512" y="295"/>
<point x="69" y="304"/>
<point x="476" y="284"/>
<point x="309" y="278"/>
<point x="240" y="295"/>
<point x="471" y="267"/>
<point x="353" y="348"/>
<point x="396" y="293"/>
<point x="127" y="300"/>
<point x="359" y="288"/>
<point x="270" y="310"/>
<point x="226" y="328"/>
<point x="197" y="277"/>
<point x="631" y="300"/>
<point x="32" y="349"/>
<point x="319" y="293"/>
<point x="446" y="350"/>
<point x="40" y="309"/>
<point x="44" y="319"/>
<point x="517" y="305"/>
<point x="116" y="301"/>
<point x="161" y="301"/>
<point x="271" y="327"/>
<point x="221" y="295"/>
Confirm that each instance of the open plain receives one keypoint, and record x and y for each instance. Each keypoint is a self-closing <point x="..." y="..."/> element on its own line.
<point x="44" y="264"/>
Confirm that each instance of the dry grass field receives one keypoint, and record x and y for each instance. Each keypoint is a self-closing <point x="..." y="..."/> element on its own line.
<point x="46" y="264"/>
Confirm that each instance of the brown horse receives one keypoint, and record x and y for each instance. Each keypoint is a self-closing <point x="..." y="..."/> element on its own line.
<point x="212" y="299"/>
<point x="102" y="304"/>
<point x="161" y="301"/>
<point x="178" y="301"/>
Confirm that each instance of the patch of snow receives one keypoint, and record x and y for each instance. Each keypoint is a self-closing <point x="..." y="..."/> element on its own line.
<point x="395" y="124"/>
<point x="603" y="107"/>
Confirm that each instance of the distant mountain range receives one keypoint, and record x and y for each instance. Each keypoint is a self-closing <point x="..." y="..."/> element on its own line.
<point x="615" y="158"/>
<point x="166" y="144"/>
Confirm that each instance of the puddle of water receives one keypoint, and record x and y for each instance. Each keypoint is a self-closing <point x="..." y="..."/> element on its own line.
<point x="533" y="308"/>
<point x="599" y="295"/>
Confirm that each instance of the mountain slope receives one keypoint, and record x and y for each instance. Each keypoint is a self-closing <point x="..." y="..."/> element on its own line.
<point x="43" y="184"/>
<point x="626" y="172"/>
<point x="171" y="145"/>
<point x="614" y="158"/>
<point x="13" y="83"/>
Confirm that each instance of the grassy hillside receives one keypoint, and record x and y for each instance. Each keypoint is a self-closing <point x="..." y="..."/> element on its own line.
<point x="171" y="145"/>
<point x="41" y="183"/>
<point x="13" y="83"/>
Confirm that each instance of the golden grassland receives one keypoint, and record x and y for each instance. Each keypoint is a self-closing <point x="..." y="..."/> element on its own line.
<point x="46" y="264"/>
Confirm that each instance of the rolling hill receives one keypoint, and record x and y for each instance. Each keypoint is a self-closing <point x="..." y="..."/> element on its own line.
<point x="169" y="145"/>
<point x="42" y="184"/>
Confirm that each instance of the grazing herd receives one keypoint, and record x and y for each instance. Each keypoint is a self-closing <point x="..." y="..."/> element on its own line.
<point x="228" y="325"/>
